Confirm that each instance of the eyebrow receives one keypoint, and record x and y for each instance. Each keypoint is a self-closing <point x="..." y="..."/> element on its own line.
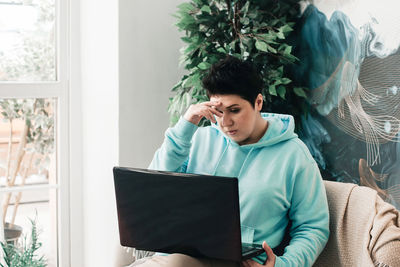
<point x="231" y="106"/>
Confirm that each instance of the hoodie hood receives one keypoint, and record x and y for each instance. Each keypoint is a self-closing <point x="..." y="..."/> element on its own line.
<point x="280" y="128"/>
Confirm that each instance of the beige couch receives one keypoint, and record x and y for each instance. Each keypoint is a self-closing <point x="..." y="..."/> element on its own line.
<point x="365" y="230"/>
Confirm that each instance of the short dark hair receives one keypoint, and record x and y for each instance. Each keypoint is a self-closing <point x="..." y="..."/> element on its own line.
<point x="233" y="76"/>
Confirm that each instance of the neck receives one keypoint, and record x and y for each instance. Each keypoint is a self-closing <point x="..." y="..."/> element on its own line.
<point x="260" y="130"/>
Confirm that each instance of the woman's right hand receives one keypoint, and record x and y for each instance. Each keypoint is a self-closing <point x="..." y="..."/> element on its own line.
<point x="205" y="109"/>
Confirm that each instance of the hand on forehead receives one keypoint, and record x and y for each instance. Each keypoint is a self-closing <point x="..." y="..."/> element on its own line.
<point x="225" y="101"/>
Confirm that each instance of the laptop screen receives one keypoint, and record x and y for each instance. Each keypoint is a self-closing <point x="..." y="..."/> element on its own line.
<point x="168" y="212"/>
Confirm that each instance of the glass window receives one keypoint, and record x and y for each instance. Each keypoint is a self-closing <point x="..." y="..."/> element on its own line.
<point x="27" y="47"/>
<point x="28" y="177"/>
<point x="26" y="140"/>
<point x="34" y="155"/>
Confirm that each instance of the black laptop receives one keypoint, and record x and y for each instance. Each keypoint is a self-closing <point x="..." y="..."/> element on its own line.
<point x="197" y="215"/>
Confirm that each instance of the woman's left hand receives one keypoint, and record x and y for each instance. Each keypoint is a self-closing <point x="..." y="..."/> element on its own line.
<point x="271" y="258"/>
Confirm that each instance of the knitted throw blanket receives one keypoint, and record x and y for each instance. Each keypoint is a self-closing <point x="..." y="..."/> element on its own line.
<point x="365" y="230"/>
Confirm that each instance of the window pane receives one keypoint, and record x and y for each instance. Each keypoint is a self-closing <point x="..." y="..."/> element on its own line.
<point x="26" y="141"/>
<point x="38" y="206"/>
<point x="27" y="34"/>
<point x="27" y="158"/>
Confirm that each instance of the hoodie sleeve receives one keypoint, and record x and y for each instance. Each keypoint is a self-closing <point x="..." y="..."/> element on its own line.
<point x="309" y="214"/>
<point x="174" y="152"/>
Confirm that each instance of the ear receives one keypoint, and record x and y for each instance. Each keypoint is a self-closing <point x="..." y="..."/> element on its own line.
<point x="259" y="102"/>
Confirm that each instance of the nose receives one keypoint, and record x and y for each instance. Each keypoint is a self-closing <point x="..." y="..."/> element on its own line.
<point x="226" y="120"/>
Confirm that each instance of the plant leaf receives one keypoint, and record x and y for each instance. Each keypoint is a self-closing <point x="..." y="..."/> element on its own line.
<point x="204" y="65"/>
<point x="280" y="35"/>
<point x="245" y="8"/>
<point x="262" y="46"/>
<point x="281" y="91"/>
<point x="286" y="80"/>
<point x="272" y="90"/>
<point x="271" y="49"/>
<point x="300" y="92"/>
<point x="206" y="9"/>
<point x="286" y="28"/>
<point x="186" y="7"/>
<point x="221" y="50"/>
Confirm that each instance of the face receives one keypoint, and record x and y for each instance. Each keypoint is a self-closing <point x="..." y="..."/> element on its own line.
<point x="240" y="121"/>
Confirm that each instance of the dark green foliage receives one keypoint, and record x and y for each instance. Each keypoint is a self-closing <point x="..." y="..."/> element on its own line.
<point x="253" y="30"/>
<point x="16" y="256"/>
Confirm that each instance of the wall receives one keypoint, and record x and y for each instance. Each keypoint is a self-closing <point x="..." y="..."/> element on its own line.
<point x="129" y="61"/>
<point x="76" y="142"/>
<point x="149" y="54"/>
<point x="100" y="92"/>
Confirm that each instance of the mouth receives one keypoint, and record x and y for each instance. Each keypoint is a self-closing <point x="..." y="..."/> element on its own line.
<point x="232" y="132"/>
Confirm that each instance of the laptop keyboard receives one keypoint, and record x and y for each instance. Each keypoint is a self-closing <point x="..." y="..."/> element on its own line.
<point x="246" y="249"/>
<point x="249" y="247"/>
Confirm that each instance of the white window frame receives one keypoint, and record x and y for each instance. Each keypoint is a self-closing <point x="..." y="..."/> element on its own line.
<point x="60" y="90"/>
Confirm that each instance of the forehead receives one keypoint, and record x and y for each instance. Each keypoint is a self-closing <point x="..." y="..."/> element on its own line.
<point x="228" y="100"/>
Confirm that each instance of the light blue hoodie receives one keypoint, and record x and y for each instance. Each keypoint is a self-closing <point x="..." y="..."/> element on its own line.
<point x="278" y="181"/>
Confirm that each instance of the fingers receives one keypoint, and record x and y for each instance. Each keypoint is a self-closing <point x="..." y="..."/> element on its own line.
<point x="271" y="258"/>
<point x="209" y="115"/>
<point x="250" y="263"/>
<point x="215" y="112"/>
<point x="212" y="106"/>
<point x="207" y="112"/>
<point x="212" y="103"/>
<point x="205" y="109"/>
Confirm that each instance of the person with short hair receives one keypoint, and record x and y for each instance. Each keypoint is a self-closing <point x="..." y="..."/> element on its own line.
<point x="279" y="181"/>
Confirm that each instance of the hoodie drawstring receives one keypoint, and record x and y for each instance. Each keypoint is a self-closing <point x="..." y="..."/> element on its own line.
<point x="243" y="165"/>
<point x="245" y="161"/>
<point x="220" y="158"/>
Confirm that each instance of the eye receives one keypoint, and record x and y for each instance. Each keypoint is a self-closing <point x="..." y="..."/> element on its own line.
<point x="236" y="110"/>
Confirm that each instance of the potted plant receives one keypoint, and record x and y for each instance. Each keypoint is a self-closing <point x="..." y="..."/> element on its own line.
<point x="251" y="30"/>
<point x="25" y="254"/>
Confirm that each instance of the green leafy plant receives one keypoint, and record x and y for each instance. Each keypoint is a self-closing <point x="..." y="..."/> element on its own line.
<point x="253" y="30"/>
<point x="25" y="254"/>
